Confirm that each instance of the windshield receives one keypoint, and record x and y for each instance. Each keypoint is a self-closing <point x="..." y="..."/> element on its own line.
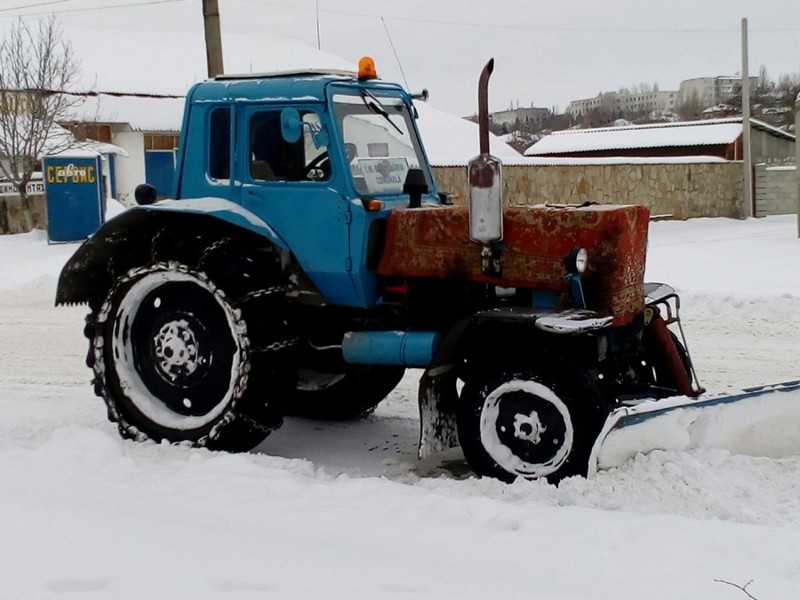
<point x="380" y="142"/>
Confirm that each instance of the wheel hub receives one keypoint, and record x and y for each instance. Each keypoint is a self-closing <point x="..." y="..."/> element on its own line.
<point x="528" y="427"/>
<point x="177" y="350"/>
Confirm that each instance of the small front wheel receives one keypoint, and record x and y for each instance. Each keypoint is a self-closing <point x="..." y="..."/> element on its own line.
<point x="530" y="423"/>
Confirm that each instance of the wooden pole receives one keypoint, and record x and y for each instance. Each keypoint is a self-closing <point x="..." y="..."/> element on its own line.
<point x="213" y="38"/>
<point x="747" y="159"/>
<point x="797" y="156"/>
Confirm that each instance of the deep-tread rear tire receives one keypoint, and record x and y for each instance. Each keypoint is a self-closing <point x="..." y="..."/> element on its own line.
<point x="352" y="393"/>
<point x="180" y="354"/>
<point x="530" y="423"/>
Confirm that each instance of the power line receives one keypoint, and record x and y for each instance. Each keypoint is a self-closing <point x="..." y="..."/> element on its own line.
<point x="81" y="10"/>
<point x="438" y="22"/>
<point x="536" y="28"/>
<point x="49" y="2"/>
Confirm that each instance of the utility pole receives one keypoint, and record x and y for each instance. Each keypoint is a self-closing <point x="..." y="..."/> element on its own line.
<point x="213" y="38"/>
<point x="746" y="158"/>
<point x="797" y="156"/>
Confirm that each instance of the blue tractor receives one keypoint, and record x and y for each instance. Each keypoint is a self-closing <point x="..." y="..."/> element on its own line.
<point x="307" y="259"/>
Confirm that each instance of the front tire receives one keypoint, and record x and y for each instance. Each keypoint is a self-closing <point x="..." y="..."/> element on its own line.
<point x="530" y="423"/>
<point x="173" y="361"/>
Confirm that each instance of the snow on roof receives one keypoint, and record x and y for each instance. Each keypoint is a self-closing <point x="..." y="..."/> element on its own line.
<point x="452" y="141"/>
<point x="695" y="133"/>
<point x="564" y="161"/>
<point x="90" y="148"/>
<point x="141" y="111"/>
<point x="288" y="73"/>
<point x="449" y="140"/>
<point x="150" y="61"/>
<point x="659" y="135"/>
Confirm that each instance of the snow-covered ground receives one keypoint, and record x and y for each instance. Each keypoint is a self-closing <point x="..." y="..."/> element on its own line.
<point x="346" y="510"/>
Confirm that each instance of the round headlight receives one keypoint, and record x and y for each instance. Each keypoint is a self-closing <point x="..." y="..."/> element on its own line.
<point x="576" y="261"/>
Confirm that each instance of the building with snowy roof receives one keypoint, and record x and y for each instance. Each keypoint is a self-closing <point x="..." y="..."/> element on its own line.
<point x="720" y="138"/>
<point x="146" y="126"/>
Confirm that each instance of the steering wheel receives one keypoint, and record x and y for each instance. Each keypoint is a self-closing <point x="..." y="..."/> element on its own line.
<point x="321" y="162"/>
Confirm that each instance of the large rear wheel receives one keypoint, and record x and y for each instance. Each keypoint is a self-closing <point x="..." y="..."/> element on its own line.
<point x="530" y="423"/>
<point x="350" y="392"/>
<point x="173" y="357"/>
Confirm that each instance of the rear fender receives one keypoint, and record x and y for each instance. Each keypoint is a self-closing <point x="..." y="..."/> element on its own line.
<point x="438" y="394"/>
<point x="128" y="238"/>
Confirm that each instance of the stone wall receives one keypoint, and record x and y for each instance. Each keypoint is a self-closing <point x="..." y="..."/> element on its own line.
<point x="776" y="189"/>
<point x="11" y="215"/>
<point x="683" y="191"/>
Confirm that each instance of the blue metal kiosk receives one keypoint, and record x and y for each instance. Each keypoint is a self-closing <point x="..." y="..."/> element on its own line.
<point x="75" y="198"/>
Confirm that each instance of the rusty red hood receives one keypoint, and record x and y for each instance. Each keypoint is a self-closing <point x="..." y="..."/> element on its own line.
<point x="434" y="242"/>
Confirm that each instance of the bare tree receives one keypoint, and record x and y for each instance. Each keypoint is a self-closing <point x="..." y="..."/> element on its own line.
<point x="764" y="83"/>
<point x="788" y="87"/>
<point x="690" y="106"/>
<point x="741" y="587"/>
<point x="36" y="65"/>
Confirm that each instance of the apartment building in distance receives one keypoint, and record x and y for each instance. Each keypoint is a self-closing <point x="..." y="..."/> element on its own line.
<point x="624" y="104"/>
<point x="516" y="118"/>
<point x="702" y="92"/>
<point x="710" y="91"/>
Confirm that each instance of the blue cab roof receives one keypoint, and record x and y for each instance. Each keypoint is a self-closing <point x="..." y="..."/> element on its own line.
<point x="295" y="86"/>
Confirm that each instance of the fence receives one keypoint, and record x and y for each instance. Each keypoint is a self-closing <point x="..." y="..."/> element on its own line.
<point x="681" y="190"/>
<point x="12" y="215"/>
<point x="776" y="189"/>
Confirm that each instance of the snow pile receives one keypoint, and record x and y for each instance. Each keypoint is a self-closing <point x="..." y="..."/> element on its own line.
<point x="765" y="426"/>
<point x="113" y="208"/>
<point x="345" y="510"/>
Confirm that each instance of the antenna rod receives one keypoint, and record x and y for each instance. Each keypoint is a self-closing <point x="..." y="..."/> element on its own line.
<point x="319" y="44"/>
<point x="397" y="58"/>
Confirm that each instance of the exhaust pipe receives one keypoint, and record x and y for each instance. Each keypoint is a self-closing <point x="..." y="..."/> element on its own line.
<point x="483" y="107"/>
<point x="484" y="173"/>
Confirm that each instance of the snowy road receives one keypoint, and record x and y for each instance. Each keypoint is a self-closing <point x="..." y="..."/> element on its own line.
<point x="347" y="511"/>
<point x="737" y="340"/>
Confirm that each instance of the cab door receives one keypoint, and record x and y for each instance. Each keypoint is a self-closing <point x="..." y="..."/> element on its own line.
<point x="292" y="186"/>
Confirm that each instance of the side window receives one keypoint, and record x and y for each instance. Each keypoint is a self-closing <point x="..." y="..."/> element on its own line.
<point x="272" y="158"/>
<point x="219" y="144"/>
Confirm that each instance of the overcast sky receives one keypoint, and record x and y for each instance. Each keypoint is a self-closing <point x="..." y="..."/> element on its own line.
<point x="546" y="52"/>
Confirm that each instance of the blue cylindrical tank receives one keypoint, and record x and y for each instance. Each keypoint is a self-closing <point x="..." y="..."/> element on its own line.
<point x="406" y="348"/>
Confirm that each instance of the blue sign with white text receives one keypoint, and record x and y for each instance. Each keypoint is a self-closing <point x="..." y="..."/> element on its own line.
<point x="74" y="188"/>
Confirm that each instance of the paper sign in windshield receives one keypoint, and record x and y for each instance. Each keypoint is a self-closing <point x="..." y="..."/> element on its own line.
<point x="384" y="175"/>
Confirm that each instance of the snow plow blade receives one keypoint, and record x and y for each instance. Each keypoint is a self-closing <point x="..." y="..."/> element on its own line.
<point x="759" y="421"/>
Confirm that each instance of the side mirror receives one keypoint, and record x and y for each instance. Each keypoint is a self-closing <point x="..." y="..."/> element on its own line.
<point x="291" y="125"/>
<point x="145" y="194"/>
